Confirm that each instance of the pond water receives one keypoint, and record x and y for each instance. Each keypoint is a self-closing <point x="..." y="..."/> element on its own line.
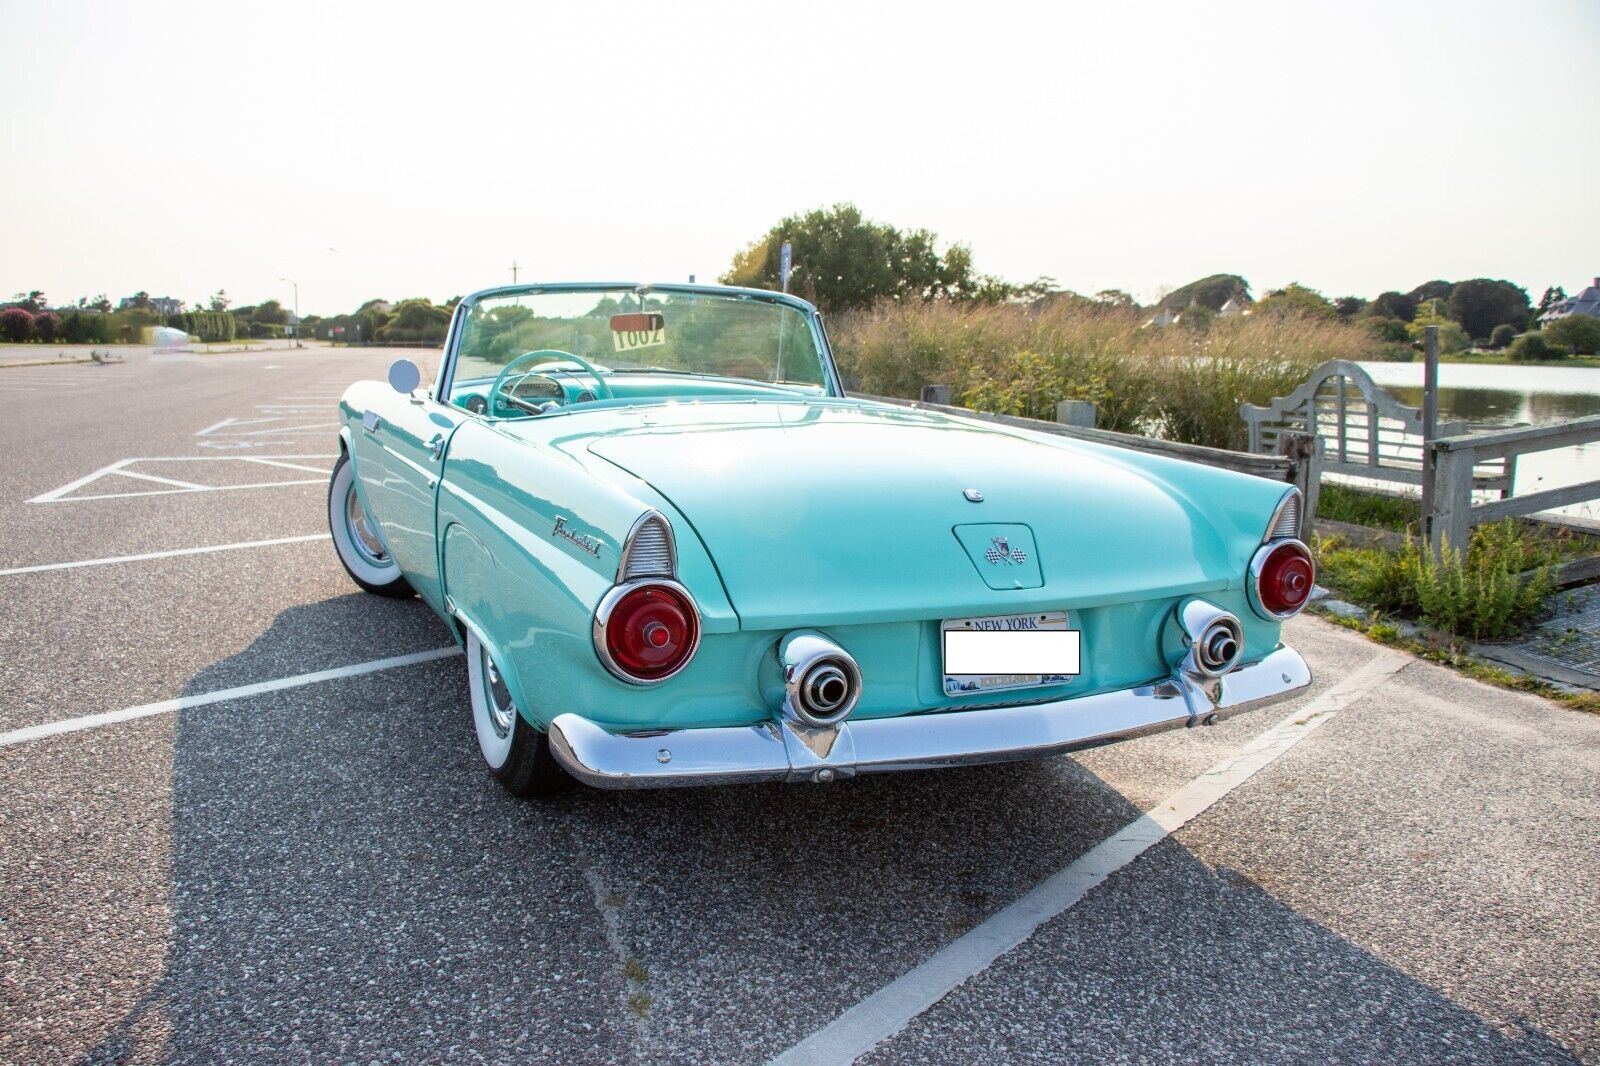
<point x="1489" y="396"/>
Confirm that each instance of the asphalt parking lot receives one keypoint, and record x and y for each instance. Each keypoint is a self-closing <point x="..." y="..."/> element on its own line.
<point x="319" y="869"/>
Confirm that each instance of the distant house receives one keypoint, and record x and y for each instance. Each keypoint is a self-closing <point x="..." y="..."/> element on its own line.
<point x="1586" y="302"/>
<point x="1164" y="316"/>
<point x="162" y="305"/>
<point x="1233" y="308"/>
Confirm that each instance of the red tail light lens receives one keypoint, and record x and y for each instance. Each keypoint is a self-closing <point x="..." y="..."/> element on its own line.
<point x="646" y="632"/>
<point x="1284" y="575"/>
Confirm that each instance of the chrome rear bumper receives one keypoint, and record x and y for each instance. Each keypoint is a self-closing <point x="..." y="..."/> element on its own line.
<point x="782" y="750"/>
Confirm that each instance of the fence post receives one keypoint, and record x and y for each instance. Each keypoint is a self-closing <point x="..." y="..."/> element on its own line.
<point x="1447" y="485"/>
<point x="1430" y="412"/>
<point x="939" y="394"/>
<point x="1305" y="451"/>
<point x="1075" y="413"/>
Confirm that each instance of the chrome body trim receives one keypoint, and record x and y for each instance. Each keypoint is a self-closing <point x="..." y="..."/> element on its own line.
<point x="1258" y="562"/>
<point x="602" y="615"/>
<point x="1290" y="499"/>
<point x="626" y="561"/>
<point x="821" y="681"/>
<point x="782" y="750"/>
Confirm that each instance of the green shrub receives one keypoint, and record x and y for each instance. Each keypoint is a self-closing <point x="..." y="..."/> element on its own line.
<point x="1491" y="594"/>
<point x="1388" y="330"/>
<point x="1533" y="347"/>
<point x="1579" y="334"/>
<point x="1502" y="336"/>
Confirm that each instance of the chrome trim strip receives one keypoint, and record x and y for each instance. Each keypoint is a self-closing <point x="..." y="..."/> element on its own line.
<point x="782" y="751"/>
<point x="1292" y="496"/>
<point x="602" y="615"/>
<point x="633" y="531"/>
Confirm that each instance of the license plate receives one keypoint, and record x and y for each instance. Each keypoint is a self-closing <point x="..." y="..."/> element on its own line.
<point x="1008" y="651"/>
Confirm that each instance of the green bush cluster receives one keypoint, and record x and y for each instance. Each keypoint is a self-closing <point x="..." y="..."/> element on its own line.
<point x="1490" y="594"/>
<point x="1534" y="347"/>
<point x="1579" y="334"/>
<point x="212" y="327"/>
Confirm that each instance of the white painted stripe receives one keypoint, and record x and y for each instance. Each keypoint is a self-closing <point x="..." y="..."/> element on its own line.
<point x="888" y="1010"/>
<point x="125" y="472"/>
<point x="183" y="703"/>
<point x="177" y="492"/>
<point x="286" y="466"/>
<point x="82" y="481"/>
<point x="162" y="554"/>
<point x="214" y="425"/>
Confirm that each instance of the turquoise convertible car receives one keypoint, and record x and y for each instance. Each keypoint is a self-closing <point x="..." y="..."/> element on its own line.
<point x="678" y="554"/>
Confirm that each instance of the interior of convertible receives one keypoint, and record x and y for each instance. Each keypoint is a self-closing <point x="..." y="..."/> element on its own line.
<point x="531" y="353"/>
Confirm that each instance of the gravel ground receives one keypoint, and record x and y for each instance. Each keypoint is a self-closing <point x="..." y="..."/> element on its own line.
<point x="326" y="874"/>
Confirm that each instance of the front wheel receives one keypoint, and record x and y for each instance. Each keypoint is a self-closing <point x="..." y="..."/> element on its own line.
<point x="355" y="536"/>
<point x="518" y="754"/>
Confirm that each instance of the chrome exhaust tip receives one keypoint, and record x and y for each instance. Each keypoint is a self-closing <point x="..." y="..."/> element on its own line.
<point x="821" y="681"/>
<point x="1214" y="637"/>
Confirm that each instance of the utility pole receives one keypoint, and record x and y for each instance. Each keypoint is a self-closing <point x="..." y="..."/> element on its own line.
<point x="514" y="269"/>
<point x="296" y="285"/>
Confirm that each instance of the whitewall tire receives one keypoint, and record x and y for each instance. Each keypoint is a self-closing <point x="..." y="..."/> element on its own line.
<point x="517" y="754"/>
<point x="356" y="537"/>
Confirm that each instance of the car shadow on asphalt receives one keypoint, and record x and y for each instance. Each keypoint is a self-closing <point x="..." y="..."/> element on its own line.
<point x="349" y="883"/>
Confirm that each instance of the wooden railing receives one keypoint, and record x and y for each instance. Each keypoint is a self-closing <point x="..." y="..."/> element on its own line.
<point x="1448" y="478"/>
<point x="1298" y="462"/>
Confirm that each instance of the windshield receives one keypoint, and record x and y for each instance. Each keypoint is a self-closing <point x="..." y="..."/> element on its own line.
<point x="630" y="340"/>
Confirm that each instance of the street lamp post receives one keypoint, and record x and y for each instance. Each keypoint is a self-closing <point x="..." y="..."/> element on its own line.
<point x="296" y="285"/>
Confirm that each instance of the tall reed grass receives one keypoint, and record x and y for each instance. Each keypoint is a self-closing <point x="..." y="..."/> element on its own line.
<point x="1180" y="382"/>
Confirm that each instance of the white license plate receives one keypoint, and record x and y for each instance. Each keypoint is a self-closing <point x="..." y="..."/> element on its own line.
<point x="1008" y="651"/>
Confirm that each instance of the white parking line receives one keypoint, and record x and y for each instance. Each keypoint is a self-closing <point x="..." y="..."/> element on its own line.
<point x="890" y="1009"/>
<point x="182" y="703"/>
<point x="63" y="494"/>
<point x="162" y="554"/>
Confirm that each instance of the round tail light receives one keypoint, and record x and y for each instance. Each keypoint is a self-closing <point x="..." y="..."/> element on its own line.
<point x="1282" y="576"/>
<point x="646" y="632"/>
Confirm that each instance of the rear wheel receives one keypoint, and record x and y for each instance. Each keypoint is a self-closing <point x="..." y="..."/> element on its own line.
<point x="518" y="755"/>
<point x="356" y="538"/>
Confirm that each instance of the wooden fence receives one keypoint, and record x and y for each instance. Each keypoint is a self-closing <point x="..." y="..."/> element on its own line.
<point x="1448" y="480"/>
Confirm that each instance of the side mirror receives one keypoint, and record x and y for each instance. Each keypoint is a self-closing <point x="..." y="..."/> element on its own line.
<point x="404" y="377"/>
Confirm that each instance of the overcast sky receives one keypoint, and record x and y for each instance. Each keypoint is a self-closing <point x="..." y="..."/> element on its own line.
<point x="395" y="150"/>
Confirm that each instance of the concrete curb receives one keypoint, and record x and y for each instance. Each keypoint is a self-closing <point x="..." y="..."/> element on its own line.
<point x="46" y="362"/>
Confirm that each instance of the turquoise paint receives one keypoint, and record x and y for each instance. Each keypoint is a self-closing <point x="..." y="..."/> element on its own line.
<point x="796" y="510"/>
<point x="1005" y="556"/>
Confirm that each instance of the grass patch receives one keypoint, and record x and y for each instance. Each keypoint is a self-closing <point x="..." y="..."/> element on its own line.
<point x="1502" y="359"/>
<point x="1341" y="503"/>
<point x="634" y="971"/>
<point x="1490" y="594"/>
<point x="639" y="1003"/>
<point x="1457" y="659"/>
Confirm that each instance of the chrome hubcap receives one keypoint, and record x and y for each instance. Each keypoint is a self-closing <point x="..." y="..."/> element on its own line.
<point x="366" y="540"/>
<point x="502" y="712"/>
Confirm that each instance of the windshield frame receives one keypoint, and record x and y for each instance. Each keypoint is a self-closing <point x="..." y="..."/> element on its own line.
<point x="443" y="382"/>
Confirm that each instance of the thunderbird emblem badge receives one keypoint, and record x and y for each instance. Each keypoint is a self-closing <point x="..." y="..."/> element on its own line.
<point x="1001" y="551"/>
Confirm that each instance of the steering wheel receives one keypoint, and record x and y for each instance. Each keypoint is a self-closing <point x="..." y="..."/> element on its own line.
<point x="500" y="397"/>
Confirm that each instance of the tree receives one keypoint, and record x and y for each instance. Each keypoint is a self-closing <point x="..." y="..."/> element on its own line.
<point x="1115" y="298"/>
<point x="100" y="303"/>
<point x="16" y="324"/>
<point x="843" y="261"/>
<point x="46" y="324"/>
<point x="1481" y="304"/>
<point x="33" y="301"/>
<point x="1394" y="305"/>
<point x="1553" y="295"/>
<point x="1211" y="291"/>
<point x="220" y="300"/>
<point x="1431" y="290"/>
<point x="138" y="301"/>
<point x="1452" y="338"/>
<point x="272" y="313"/>
<point x="1349" y="306"/>
<point x="1579" y="334"/>
<point x="1296" y="300"/>
<point x="415" y="320"/>
<point x="1503" y="335"/>
<point x="1389" y="330"/>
